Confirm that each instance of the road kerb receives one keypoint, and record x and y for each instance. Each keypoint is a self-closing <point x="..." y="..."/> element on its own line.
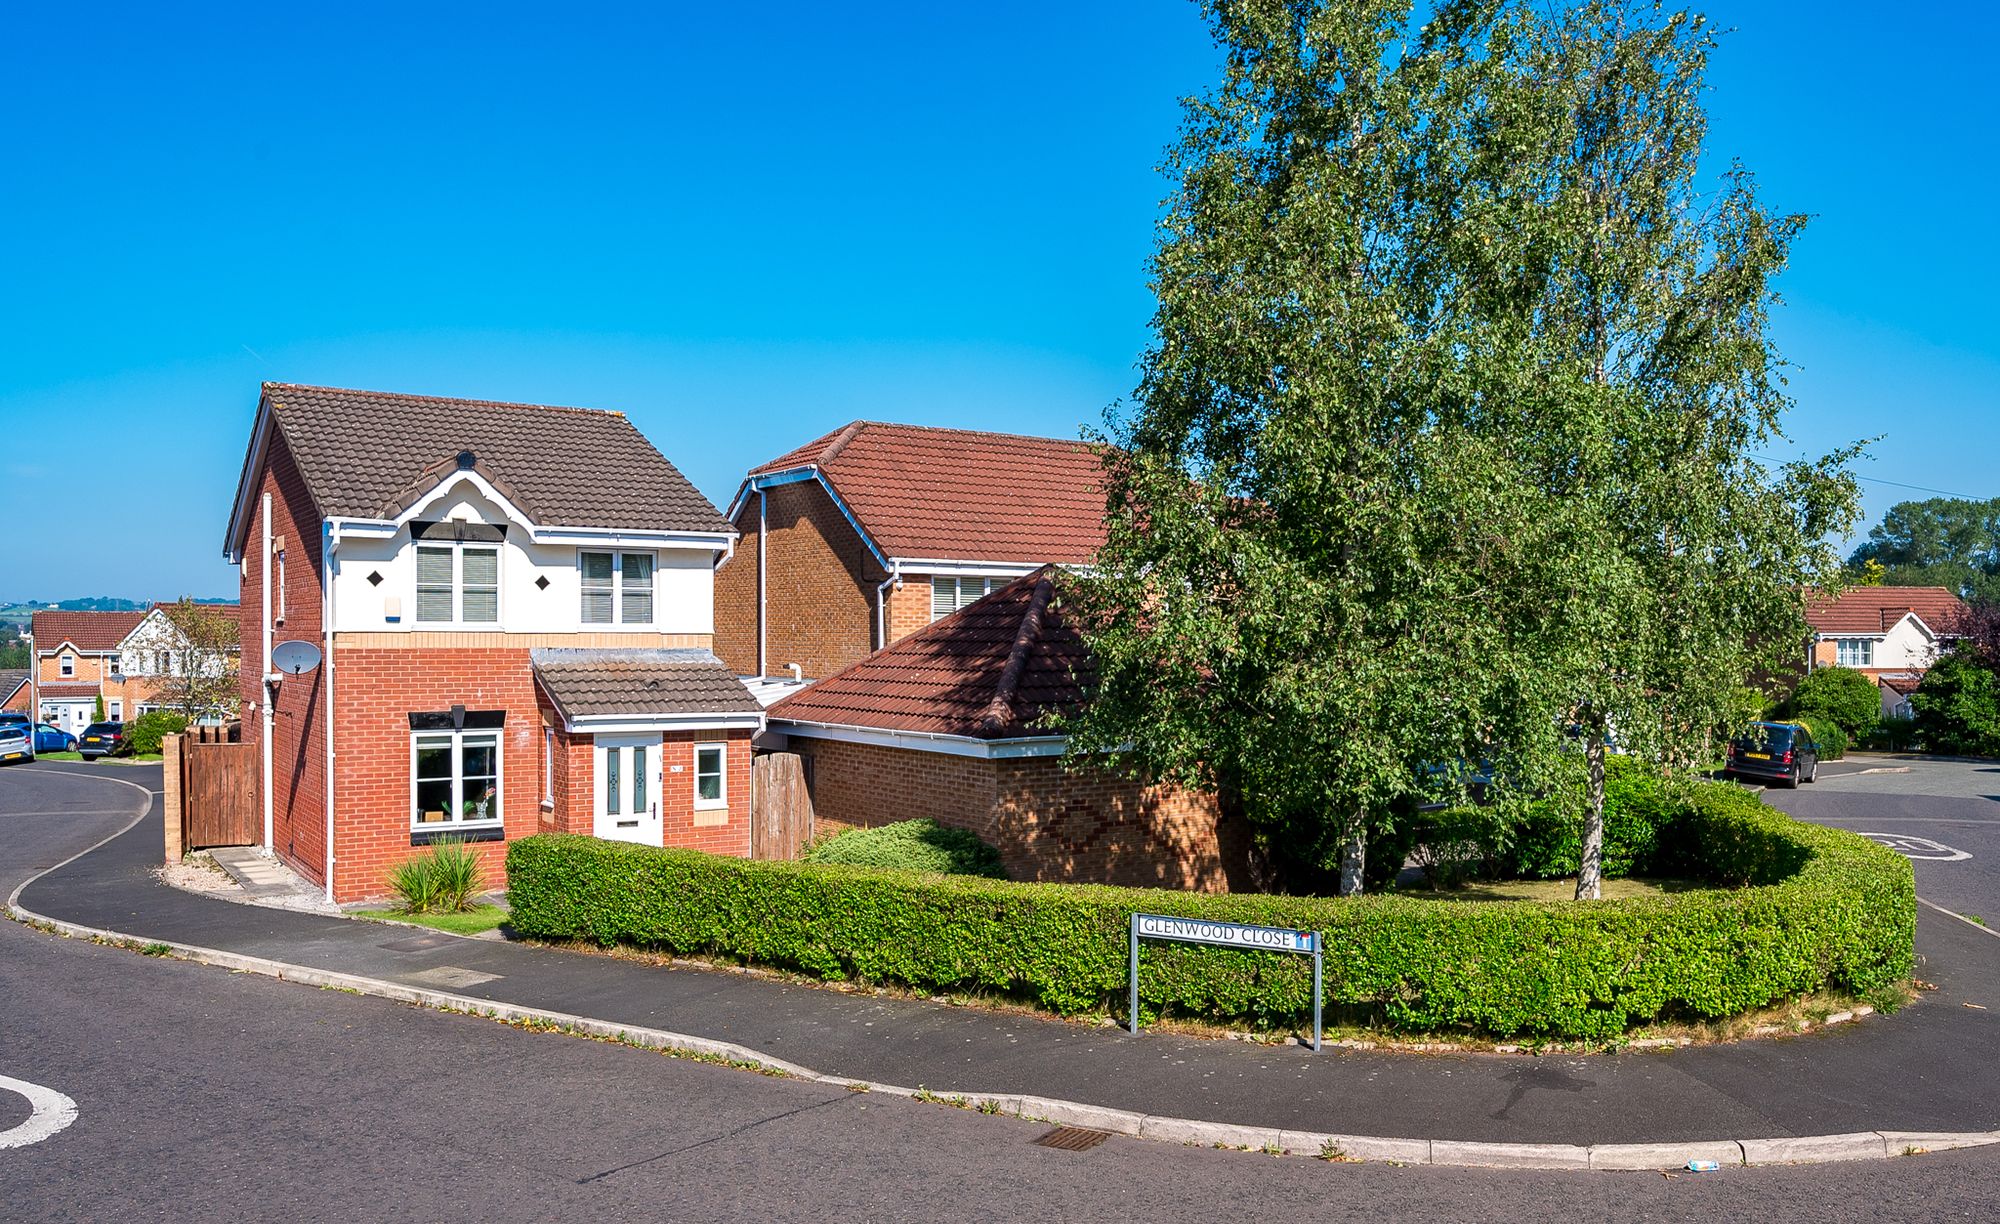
<point x="1725" y="1152"/>
<point x="1817" y="1149"/>
<point x="1369" y="1148"/>
<point x="1910" y="1143"/>
<point x="1509" y="1155"/>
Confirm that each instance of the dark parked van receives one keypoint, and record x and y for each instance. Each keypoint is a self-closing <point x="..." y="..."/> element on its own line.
<point x="1774" y="752"/>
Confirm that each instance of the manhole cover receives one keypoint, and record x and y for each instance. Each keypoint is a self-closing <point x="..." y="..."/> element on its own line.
<point x="1073" y="1138"/>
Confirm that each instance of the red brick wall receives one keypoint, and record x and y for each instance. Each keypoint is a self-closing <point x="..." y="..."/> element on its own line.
<point x="909" y="608"/>
<point x="732" y="837"/>
<point x="298" y="740"/>
<point x="376" y="690"/>
<point x="1047" y="824"/>
<point x="20" y="700"/>
<point x="821" y="597"/>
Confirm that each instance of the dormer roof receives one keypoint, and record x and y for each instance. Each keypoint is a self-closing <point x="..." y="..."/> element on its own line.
<point x="1873" y="611"/>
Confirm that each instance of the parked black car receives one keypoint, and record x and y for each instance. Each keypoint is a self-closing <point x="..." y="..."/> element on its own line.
<point x="101" y="739"/>
<point x="1774" y="752"/>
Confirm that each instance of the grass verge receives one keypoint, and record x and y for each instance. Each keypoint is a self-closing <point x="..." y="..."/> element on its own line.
<point x="467" y="922"/>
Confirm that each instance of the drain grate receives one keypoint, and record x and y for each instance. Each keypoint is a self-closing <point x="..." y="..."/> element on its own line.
<point x="1073" y="1138"/>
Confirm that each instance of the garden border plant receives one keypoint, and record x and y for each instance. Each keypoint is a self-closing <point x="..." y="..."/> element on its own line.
<point x="1814" y="909"/>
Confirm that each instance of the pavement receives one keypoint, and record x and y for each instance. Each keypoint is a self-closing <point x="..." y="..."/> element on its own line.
<point x="1910" y="1072"/>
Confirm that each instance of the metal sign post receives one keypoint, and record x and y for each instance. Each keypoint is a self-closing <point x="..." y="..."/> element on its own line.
<point x="1222" y="935"/>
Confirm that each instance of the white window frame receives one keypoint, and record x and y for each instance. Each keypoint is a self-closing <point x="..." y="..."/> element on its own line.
<point x="114" y="710"/>
<point x="451" y="823"/>
<point x="959" y="597"/>
<point x="66" y="666"/>
<point x="278" y="588"/>
<point x="1854" y="652"/>
<point x="548" y="769"/>
<point x="115" y="665"/>
<point x="721" y="800"/>
<point x="458" y="549"/>
<point x="618" y="588"/>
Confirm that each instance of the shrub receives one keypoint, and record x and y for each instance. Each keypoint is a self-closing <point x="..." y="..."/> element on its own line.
<point x="144" y="733"/>
<point x="1547" y="842"/>
<point x="912" y="845"/>
<point x="442" y="880"/>
<point x="1827" y="733"/>
<point x="1823" y="908"/>
<point x="1457" y="845"/>
<point x="1837" y="695"/>
<point x="1957" y="707"/>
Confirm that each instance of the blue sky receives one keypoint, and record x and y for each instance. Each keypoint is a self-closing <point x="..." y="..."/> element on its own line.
<point x="746" y="230"/>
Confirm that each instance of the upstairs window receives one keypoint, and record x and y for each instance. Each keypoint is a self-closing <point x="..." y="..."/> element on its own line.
<point x="458" y="583"/>
<point x="67" y="665"/>
<point x="1854" y="652"/>
<point x="948" y="595"/>
<point x="617" y="588"/>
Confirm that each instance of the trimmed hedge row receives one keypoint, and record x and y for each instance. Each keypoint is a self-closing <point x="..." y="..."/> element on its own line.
<point x="1818" y="908"/>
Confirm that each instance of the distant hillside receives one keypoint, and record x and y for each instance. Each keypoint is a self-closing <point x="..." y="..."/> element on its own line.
<point x="21" y="613"/>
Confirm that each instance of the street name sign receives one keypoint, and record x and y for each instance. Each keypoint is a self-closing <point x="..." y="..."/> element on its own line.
<point x="1222" y="935"/>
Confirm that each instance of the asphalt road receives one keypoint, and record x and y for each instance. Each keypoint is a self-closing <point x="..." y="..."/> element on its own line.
<point x="208" y="1094"/>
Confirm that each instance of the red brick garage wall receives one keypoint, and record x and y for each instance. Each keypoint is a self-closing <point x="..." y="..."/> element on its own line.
<point x="1047" y="824"/>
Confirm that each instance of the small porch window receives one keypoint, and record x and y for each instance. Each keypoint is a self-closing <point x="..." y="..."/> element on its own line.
<point x="709" y="774"/>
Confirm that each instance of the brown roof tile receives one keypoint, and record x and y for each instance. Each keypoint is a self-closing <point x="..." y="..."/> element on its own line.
<point x="962" y="495"/>
<point x="367" y="454"/>
<point x="68" y="690"/>
<point x="11" y="681"/>
<point x="93" y="632"/>
<point x="1868" y="610"/>
<point x="993" y="670"/>
<point x="586" y="682"/>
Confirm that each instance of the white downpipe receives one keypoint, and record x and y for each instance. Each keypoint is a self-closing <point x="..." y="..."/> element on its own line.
<point x="264" y="582"/>
<point x="326" y="661"/>
<point x="762" y="667"/>
<point x="881" y="613"/>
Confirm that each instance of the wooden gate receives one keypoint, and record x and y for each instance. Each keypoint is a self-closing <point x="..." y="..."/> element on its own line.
<point x="218" y="791"/>
<point x="781" y="811"/>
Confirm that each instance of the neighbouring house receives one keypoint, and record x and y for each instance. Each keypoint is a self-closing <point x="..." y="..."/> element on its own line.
<point x="17" y="696"/>
<point x="123" y="659"/>
<point x="861" y="537"/>
<point x="510" y="612"/>
<point x="156" y="656"/>
<point x="951" y="722"/>
<point x="1889" y="634"/>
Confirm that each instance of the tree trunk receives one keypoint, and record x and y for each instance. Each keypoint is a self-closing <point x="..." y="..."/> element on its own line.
<point x="1590" y="872"/>
<point x="1353" y="862"/>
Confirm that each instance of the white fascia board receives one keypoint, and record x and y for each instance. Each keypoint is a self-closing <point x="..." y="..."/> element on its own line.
<point x="620" y="724"/>
<point x="1837" y="637"/>
<point x="926" y="741"/>
<point x="966" y="569"/>
<point x="247" y="485"/>
<point x="486" y="490"/>
<point x="799" y="475"/>
<point x="617" y="537"/>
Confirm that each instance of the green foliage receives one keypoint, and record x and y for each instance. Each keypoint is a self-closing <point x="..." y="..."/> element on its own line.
<point x="1547" y="842"/>
<point x="1950" y="542"/>
<point x="1838" y="695"/>
<point x="442" y="880"/>
<point x="1457" y="845"/>
<point x="912" y="845"/>
<point x="97" y="710"/>
<point x="1957" y="707"/>
<point x="1823" y="908"/>
<point x="1448" y="436"/>
<point x="1828" y="734"/>
<point x="144" y="733"/>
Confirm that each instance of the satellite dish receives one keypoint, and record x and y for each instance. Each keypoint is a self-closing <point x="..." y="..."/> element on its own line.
<point x="294" y="658"/>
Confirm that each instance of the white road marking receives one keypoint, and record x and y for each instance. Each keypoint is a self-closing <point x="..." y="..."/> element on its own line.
<point x="52" y="1112"/>
<point x="1961" y="917"/>
<point x="1921" y="848"/>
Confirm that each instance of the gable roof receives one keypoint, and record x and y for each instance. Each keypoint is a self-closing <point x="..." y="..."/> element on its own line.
<point x="89" y="632"/>
<point x="11" y="681"/>
<point x="958" y="494"/>
<point x="232" y="611"/>
<point x="586" y="682"/>
<point x="372" y="454"/>
<point x="993" y="670"/>
<point x="1875" y="610"/>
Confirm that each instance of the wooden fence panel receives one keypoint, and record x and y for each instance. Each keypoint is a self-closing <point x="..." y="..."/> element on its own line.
<point x="781" y="816"/>
<point x="219" y="794"/>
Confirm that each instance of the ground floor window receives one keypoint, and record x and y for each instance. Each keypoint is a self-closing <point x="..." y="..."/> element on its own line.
<point x="115" y="710"/>
<point x="548" y="767"/>
<point x="708" y="776"/>
<point x="455" y="779"/>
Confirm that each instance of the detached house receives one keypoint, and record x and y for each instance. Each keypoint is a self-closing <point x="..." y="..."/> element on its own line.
<point x="863" y="536"/>
<point x="1890" y="634"/>
<point x="123" y="659"/>
<point x="512" y="611"/>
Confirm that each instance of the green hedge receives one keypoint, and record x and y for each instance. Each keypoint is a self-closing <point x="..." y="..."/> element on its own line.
<point x="1820" y="908"/>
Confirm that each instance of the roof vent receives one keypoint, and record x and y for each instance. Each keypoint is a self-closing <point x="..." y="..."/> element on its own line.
<point x="466" y="460"/>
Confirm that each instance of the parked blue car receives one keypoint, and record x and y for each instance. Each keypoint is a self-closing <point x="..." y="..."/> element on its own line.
<point x="53" y="739"/>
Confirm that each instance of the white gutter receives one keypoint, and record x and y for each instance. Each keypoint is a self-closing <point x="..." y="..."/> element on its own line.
<point x="264" y="582"/>
<point x="926" y="741"/>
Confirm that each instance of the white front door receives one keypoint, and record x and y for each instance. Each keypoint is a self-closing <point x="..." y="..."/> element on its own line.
<point x="628" y="789"/>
